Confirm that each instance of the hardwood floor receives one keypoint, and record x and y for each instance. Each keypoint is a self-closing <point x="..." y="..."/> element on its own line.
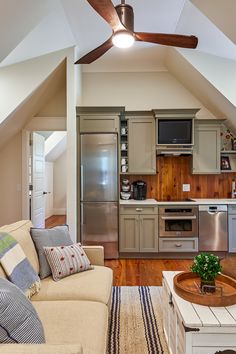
<point x="129" y="272"/>
<point x="55" y="220"/>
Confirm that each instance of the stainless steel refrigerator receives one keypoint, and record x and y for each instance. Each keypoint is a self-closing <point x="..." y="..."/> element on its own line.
<point x="99" y="192"/>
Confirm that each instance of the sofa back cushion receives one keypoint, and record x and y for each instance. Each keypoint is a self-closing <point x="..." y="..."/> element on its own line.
<point x="21" y="233"/>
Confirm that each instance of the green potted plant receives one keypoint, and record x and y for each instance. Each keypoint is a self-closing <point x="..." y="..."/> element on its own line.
<point x="207" y="267"/>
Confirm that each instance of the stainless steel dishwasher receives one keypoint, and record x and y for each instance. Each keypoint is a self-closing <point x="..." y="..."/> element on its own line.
<point x="213" y="233"/>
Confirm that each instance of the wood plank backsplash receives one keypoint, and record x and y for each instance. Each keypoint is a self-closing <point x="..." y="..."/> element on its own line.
<point x="173" y="171"/>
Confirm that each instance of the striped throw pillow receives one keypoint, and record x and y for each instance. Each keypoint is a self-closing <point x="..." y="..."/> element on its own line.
<point x="16" y="265"/>
<point x="67" y="260"/>
<point x="19" y="321"/>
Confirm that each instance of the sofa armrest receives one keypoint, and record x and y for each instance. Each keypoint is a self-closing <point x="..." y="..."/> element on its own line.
<point x="41" y="349"/>
<point x="95" y="254"/>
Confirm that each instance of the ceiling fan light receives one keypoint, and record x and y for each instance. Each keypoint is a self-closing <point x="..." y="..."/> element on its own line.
<point x="123" y="39"/>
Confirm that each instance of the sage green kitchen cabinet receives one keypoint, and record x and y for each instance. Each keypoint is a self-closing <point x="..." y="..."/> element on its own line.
<point x="207" y="145"/>
<point x="139" y="230"/>
<point x="141" y="145"/>
<point x="148" y="237"/>
<point x="129" y="233"/>
<point x="99" y="123"/>
<point x="99" y="119"/>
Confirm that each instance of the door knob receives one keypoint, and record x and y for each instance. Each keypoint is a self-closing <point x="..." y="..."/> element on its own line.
<point x="45" y="192"/>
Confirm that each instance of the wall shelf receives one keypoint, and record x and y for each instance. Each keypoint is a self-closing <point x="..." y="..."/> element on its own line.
<point x="226" y="152"/>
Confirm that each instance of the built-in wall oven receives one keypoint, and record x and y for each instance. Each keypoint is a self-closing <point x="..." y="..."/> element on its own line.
<point x="178" y="221"/>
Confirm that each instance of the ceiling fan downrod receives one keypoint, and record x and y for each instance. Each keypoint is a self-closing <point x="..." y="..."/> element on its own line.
<point x="126" y="15"/>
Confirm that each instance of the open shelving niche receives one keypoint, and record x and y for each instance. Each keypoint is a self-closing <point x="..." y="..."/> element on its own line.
<point x="124" y="140"/>
<point x="231" y="154"/>
<point x="227" y="137"/>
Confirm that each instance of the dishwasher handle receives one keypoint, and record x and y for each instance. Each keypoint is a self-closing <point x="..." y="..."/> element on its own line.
<point x="213" y="209"/>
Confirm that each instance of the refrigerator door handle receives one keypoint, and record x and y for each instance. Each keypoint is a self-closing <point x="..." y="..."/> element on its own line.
<point x="81" y="183"/>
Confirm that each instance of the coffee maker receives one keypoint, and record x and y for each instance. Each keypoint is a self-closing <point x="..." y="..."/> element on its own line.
<point x="139" y="190"/>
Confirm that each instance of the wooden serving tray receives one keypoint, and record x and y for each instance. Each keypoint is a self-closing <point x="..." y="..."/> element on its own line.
<point x="187" y="286"/>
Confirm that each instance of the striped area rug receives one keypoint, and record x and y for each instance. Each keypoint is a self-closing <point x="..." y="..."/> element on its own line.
<point x="136" y="321"/>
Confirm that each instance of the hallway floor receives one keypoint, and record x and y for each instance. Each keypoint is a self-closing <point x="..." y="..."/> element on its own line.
<point x="55" y="220"/>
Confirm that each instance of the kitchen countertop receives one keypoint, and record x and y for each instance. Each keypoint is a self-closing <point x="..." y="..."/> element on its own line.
<point x="222" y="201"/>
<point x="135" y="202"/>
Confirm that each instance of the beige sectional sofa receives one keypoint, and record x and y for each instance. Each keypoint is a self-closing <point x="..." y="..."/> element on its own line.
<point x="74" y="311"/>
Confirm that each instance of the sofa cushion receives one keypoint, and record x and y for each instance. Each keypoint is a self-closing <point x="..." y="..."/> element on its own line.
<point x="74" y="322"/>
<point x="21" y="233"/>
<point x="67" y="260"/>
<point x="19" y="322"/>
<point x="57" y="236"/>
<point x="94" y="285"/>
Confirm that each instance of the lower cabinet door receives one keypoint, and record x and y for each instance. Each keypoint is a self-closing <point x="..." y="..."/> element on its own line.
<point x="148" y="233"/>
<point x="129" y="233"/>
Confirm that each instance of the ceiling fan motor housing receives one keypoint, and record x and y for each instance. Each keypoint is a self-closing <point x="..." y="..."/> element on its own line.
<point x="126" y="15"/>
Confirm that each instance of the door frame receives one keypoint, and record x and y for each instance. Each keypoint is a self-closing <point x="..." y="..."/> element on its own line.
<point x="25" y="134"/>
<point x="25" y="174"/>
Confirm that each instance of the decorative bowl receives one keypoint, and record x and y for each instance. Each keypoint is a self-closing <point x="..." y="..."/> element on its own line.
<point x="125" y="188"/>
<point x="125" y="195"/>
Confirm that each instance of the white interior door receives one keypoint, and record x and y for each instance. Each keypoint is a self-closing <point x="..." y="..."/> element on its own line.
<point x="48" y="189"/>
<point x="38" y="180"/>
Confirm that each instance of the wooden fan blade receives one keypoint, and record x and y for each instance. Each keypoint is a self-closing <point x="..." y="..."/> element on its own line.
<point x="106" y="9"/>
<point x="96" y="53"/>
<point x="176" y="40"/>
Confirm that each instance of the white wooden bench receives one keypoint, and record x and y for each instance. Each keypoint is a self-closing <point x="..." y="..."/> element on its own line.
<point x="195" y="329"/>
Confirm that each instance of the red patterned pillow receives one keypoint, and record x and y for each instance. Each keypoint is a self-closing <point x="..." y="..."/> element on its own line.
<point x="66" y="260"/>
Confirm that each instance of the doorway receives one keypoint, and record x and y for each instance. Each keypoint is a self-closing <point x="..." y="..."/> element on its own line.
<point x="47" y="178"/>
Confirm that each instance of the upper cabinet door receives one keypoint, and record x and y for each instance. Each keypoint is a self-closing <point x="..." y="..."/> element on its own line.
<point x="103" y="123"/>
<point x="206" y="152"/>
<point x="141" y="145"/>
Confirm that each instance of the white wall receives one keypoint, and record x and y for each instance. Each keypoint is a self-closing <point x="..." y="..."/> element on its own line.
<point x="72" y="142"/>
<point x="18" y="81"/>
<point x="10" y="181"/>
<point x="56" y="107"/>
<point x="220" y="72"/>
<point x="59" y="185"/>
<point x="138" y="91"/>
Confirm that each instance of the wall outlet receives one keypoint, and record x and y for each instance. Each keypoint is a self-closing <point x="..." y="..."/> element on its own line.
<point x="186" y="187"/>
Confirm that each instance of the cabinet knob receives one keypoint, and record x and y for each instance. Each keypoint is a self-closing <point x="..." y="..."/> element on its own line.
<point x="178" y="245"/>
<point x="139" y="209"/>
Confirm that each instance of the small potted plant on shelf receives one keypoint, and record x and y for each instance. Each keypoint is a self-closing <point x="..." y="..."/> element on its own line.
<point x="207" y="267"/>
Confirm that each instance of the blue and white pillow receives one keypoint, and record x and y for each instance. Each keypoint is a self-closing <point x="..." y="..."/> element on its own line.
<point x="19" y="321"/>
<point x="17" y="267"/>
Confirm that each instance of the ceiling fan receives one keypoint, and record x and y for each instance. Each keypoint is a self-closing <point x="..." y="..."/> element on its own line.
<point x="121" y="20"/>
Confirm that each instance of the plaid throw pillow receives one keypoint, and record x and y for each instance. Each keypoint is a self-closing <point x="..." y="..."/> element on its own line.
<point x="66" y="260"/>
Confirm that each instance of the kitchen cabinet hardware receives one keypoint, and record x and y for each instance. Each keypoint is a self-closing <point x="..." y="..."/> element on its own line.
<point x="178" y="245"/>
